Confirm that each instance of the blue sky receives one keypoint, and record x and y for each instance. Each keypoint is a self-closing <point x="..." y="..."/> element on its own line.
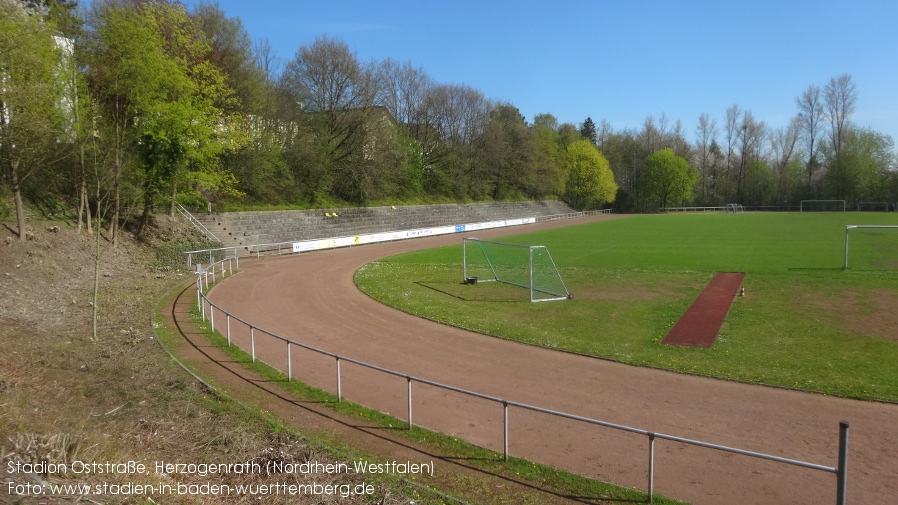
<point x="615" y="60"/>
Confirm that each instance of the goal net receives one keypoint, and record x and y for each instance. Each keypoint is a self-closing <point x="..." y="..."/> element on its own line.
<point x="529" y="267"/>
<point x="734" y="208"/>
<point x="871" y="247"/>
<point x="822" y="206"/>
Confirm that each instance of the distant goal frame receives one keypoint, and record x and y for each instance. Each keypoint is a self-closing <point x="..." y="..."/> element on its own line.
<point x="850" y="227"/>
<point x="536" y="292"/>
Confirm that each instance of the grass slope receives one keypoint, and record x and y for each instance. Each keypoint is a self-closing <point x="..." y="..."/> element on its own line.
<point x="804" y="324"/>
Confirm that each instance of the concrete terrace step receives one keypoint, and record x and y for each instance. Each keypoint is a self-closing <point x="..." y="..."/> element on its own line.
<point x="244" y="229"/>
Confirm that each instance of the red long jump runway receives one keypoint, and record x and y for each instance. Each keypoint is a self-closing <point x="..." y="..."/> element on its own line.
<point x="311" y="298"/>
<point x="700" y="324"/>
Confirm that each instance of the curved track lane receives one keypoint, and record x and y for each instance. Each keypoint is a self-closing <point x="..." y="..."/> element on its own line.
<point x="311" y="298"/>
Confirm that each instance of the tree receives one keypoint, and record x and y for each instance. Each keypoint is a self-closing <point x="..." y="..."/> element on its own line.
<point x="705" y="134"/>
<point x="31" y="109"/>
<point x="337" y="94"/>
<point x="668" y="177"/>
<point x="549" y="174"/>
<point x="505" y="153"/>
<point x="861" y="169"/>
<point x="840" y="96"/>
<point x="168" y="99"/>
<point x="750" y="143"/>
<point x="546" y="120"/>
<point x="783" y="146"/>
<point x="402" y="88"/>
<point x="590" y="182"/>
<point x="626" y="155"/>
<point x="588" y="131"/>
<point x="810" y="116"/>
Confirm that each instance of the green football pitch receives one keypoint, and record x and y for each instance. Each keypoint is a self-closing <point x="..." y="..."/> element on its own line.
<point x="804" y="322"/>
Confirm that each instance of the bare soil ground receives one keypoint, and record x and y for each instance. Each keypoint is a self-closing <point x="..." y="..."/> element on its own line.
<point x="312" y="298"/>
<point x="67" y="397"/>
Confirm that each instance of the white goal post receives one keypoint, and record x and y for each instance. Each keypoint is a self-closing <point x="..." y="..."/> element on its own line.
<point x="529" y="267"/>
<point x="822" y="206"/>
<point x="879" y="254"/>
<point x="734" y="208"/>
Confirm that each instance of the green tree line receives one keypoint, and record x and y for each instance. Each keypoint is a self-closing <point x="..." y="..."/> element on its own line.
<point x="121" y="107"/>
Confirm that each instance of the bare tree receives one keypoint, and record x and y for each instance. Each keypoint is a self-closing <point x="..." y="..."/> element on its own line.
<point x="267" y="58"/>
<point x="458" y="113"/>
<point x="603" y="133"/>
<point x="402" y="89"/>
<point x="750" y="142"/>
<point x="783" y="145"/>
<point x="840" y="95"/>
<point x="810" y="117"/>
<point x="705" y="134"/>
<point x="650" y="137"/>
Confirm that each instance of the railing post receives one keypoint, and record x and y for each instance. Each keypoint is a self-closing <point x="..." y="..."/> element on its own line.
<point x="252" y="342"/>
<point x="289" y="364"/>
<point x="842" y="475"/>
<point x="228" y="320"/>
<point x="339" y="387"/>
<point x="212" y="318"/>
<point x="409" y="379"/>
<point x="651" y="467"/>
<point x="203" y="305"/>
<point x="505" y="408"/>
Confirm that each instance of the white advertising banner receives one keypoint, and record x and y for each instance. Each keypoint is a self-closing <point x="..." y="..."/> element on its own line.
<point x="371" y="238"/>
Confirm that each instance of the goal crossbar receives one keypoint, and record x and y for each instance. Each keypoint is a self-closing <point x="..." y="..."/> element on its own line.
<point x="850" y="227"/>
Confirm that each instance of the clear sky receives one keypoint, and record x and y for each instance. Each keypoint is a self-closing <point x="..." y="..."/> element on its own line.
<point x="618" y="60"/>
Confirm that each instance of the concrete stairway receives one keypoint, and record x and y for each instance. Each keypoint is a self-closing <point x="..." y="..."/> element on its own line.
<point x="243" y="229"/>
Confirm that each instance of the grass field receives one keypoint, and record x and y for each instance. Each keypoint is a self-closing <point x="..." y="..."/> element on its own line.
<point x="804" y="323"/>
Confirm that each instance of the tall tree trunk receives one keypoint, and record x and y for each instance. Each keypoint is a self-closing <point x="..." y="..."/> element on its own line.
<point x="82" y="191"/>
<point x="87" y="215"/>
<point x="113" y="223"/>
<point x="17" y="192"/>
<point x="174" y="198"/>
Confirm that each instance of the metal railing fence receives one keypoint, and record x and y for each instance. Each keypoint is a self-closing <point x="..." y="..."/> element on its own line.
<point x="202" y="284"/>
<point x="211" y="255"/>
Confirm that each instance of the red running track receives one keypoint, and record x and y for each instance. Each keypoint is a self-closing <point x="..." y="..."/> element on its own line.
<point x="311" y="298"/>
<point x="700" y="324"/>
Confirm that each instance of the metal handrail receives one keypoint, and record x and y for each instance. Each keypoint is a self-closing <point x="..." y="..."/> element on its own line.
<point x="195" y="222"/>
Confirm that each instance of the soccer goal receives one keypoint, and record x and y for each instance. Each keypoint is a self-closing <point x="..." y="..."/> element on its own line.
<point x="822" y="206"/>
<point x="872" y="247"/>
<point x="525" y="266"/>
<point x="734" y="208"/>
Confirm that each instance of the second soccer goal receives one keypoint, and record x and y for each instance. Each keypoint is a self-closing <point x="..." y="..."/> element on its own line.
<point x="525" y="266"/>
